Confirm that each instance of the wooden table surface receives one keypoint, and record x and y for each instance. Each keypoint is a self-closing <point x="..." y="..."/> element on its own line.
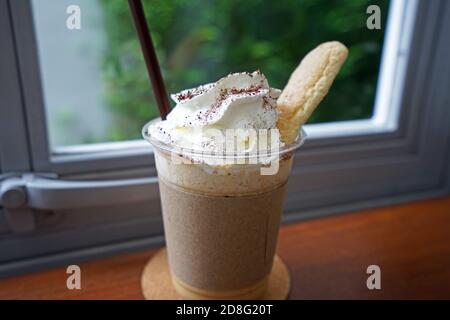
<point x="327" y="259"/>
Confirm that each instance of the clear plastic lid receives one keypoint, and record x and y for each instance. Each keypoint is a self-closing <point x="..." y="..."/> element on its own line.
<point x="283" y="149"/>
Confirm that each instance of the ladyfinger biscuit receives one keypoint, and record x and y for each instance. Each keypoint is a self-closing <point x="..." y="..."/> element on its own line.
<point x="307" y="86"/>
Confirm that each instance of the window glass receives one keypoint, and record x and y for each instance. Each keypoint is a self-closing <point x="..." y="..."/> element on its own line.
<point x="94" y="79"/>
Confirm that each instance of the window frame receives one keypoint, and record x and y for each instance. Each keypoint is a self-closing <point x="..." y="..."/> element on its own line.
<point x="386" y="164"/>
<point x="14" y="144"/>
<point x="75" y="160"/>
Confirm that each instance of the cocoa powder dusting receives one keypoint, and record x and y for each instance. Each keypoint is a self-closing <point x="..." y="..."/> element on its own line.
<point x="190" y="94"/>
<point x="224" y="94"/>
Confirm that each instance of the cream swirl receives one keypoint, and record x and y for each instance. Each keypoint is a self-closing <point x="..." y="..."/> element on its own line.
<point x="241" y="101"/>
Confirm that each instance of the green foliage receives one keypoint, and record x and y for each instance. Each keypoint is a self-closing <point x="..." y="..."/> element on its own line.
<point x="200" y="41"/>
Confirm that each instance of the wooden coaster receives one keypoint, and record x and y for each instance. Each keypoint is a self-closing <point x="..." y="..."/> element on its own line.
<point x="157" y="284"/>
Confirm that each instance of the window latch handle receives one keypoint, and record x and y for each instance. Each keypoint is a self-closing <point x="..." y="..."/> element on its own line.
<point x="22" y="196"/>
<point x="13" y="198"/>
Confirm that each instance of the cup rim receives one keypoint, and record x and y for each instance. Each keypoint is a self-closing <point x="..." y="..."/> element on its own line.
<point x="195" y="153"/>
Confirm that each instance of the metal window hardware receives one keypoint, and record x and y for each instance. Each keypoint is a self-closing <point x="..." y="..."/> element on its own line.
<point x="22" y="195"/>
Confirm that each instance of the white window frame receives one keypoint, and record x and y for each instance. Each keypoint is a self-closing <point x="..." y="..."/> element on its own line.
<point x="386" y="110"/>
<point x="71" y="160"/>
<point x="400" y="154"/>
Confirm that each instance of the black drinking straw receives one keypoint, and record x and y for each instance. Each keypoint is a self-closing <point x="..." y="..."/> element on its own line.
<point x="151" y="60"/>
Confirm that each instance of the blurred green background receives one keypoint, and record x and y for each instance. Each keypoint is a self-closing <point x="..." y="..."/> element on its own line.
<point x="200" y="41"/>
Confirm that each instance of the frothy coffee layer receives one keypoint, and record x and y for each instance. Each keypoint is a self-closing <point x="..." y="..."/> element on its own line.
<point x="228" y="180"/>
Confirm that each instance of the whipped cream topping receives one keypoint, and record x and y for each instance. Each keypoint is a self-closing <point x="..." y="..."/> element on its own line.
<point x="203" y="114"/>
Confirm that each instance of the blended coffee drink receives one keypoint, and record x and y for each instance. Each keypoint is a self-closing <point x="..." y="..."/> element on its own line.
<point x="221" y="226"/>
<point x="222" y="190"/>
<point x="223" y="170"/>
